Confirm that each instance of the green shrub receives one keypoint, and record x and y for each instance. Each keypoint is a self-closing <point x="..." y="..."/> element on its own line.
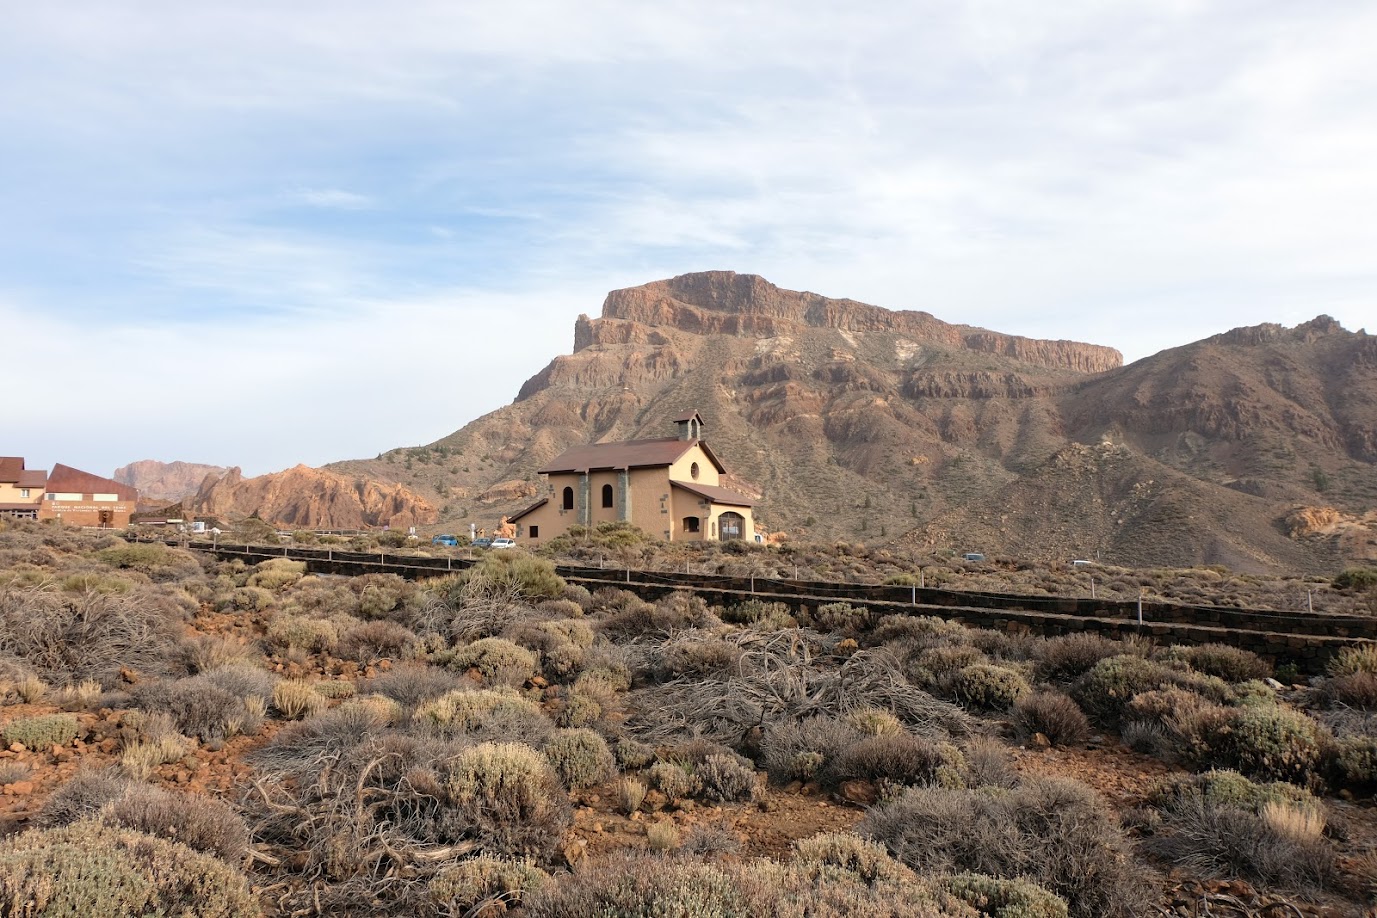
<point x="867" y="860"/>
<point x="91" y="869"/>
<point x="1005" y="898"/>
<point x="510" y="798"/>
<point x="874" y="722"/>
<point x="499" y="713"/>
<point x="1361" y="658"/>
<point x="497" y="660"/>
<point x="1356" y="578"/>
<point x="532" y="578"/>
<point x="1068" y="656"/>
<point x="308" y="634"/>
<point x="158" y="562"/>
<point x="725" y="778"/>
<point x="1109" y="685"/>
<point x="988" y="687"/>
<point x="1356" y="760"/>
<point x="1273" y="743"/>
<point x="461" y="888"/>
<point x="633" y="753"/>
<point x="840" y="616"/>
<point x="581" y="757"/>
<point x="42" y="730"/>
<point x="276" y="574"/>
<point x="674" y="781"/>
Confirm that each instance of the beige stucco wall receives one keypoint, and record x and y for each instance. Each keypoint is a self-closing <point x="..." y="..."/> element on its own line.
<point x="13" y="494"/>
<point x="683" y="469"/>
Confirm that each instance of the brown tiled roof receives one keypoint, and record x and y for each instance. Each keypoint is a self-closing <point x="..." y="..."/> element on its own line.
<point x="715" y="494"/>
<point x="68" y="480"/>
<point x="12" y="471"/>
<point x="535" y="506"/>
<point x="11" y="467"/>
<point x="28" y="506"/>
<point x="626" y="454"/>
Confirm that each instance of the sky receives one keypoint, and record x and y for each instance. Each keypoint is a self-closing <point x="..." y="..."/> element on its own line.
<point x="265" y="233"/>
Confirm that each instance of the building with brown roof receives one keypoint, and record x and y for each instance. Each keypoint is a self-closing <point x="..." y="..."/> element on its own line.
<point x="21" y="489"/>
<point x="81" y="499"/>
<point x="669" y="487"/>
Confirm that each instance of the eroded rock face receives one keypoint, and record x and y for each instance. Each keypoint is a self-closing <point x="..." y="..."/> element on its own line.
<point x="726" y="303"/>
<point x="307" y="498"/>
<point x="165" y="480"/>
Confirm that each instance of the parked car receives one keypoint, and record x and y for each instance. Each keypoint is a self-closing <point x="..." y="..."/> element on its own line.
<point x="481" y="543"/>
<point x="450" y="540"/>
<point x="504" y="543"/>
<point x="973" y="556"/>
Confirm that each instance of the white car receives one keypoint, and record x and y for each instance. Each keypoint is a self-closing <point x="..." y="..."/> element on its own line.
<point x="503" y="543"/>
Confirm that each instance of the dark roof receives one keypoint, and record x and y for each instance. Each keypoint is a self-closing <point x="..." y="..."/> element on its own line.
<point x="689" y="416"/>
<point x="715" y="494"/>
<point x="625" y="454"/>
<point x="30" y="506"/>
<point x="12" y="470"/>
<point x="68" y="480"/>
<point x="535" y="506"/>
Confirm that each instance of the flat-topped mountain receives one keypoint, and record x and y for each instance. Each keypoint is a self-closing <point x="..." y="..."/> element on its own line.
<point x="858" y="422"/>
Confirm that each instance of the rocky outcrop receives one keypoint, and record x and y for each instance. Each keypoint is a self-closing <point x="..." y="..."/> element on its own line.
<point x="165" y="480"/>
<point x="307" y="498"/>
<point x="726" y="303"/>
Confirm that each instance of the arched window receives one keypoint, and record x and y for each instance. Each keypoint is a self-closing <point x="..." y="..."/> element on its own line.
<point x="691" y="524"/>
<point x="568" y="498"/>
<point x="733" y="526"/>
<point x="693" y="471"/>
<point x="607" y="495"/>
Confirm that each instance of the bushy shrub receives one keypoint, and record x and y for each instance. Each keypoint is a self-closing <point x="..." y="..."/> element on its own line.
<point x="201" y="823"/>
<point x="497" y="660"/>
<point x="463" y="888"/>
<point x="697" y="656"/>
<point x="42" y="730"/>
<point x="527" y="576"/>
<point x="632" y="753"/>
<point x="1350" y="660"/>
<point x="1067" y="656"/>
<point x="725" y="778"/>
<point x="307" y="634"/>
<point x="674" y="781"/>
<point x="296" y="698"/>
<point x="499" y="713"/>
<point x="510" y="798"/>
<point x="754" y="610"/>
<point x="158" y="562"/>
<point x="874" y="722"/>
<point x="1356" y="578"/>
<point x="93" y="869"/>
<point x="893" y="759"/>
<point x="81" y="797"/>
<point x="1221" y="824"/>
<point x="988" y="687"/>
<point x="199" y="705"/>
<point x="411" y="684"/>
<point x="1055" y="832"/>
<point x="275" y="574"/>
<point x="840" y="616"/>
<point x="1356" y="760"/>
<point x="1052" y="714"/>
<point x="1005" y="898"/>
<point x="865" y="859"/>
<point x="1110" y="684"/>
<point x="369" y="642"/>
<point x="798" y="750"/>
<point x="581" y="757"/>
<point x="1232" y="664"/>
<point x="1272" y="743"/>
<point x="1355" y="690"/>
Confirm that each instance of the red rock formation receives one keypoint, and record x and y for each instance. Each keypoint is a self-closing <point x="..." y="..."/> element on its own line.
<point x="165" y="480"/>
<point x="308" y="498"/>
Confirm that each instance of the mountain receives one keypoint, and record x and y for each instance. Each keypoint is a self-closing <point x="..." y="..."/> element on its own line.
<point x="311" y="499"/>
<point x="165" y="481"/>
<point x="863" y="423"/>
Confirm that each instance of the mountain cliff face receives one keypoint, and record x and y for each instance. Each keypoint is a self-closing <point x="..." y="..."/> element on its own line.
<point x="312" y="499"/>
<point x="859" y="422"/>
<point x="170" y="481"/>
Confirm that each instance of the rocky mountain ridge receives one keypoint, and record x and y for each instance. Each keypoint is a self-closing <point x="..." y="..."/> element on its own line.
<point x="861" y="423"/>
<point x="303" y="497"/>
<point x="165" y="481"/>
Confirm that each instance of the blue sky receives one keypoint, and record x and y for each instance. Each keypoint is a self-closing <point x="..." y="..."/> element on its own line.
<point x="263" y="233"/>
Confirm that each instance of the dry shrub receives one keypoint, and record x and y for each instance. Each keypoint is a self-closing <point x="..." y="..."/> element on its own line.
<point x="662" y="835"/>
<point x="497" y="660"/>
<point x="674" y="781"/>
<point x="1358" y="659"/>
<point x="140" y="758"/>
<point x="1221" y="824"/>
<point x="1052" y="714"/>
<point x="798" y="751"/>
<point x="987" y="763"/>
<point x="485" y="714"/>
<point x="725" y="778"/>
<point x="1069" y="655"/>
<point x="1232" y="664"/>
<point x="897" y="759"/>
<point x="199" y="705"/>
<point x="66" y="638"/>
<point x="296" y="698"/>
<point x="412" y="684"/>
<point x="987" y="687"/>
<point x="874" y="722"/>
<point x="81" y="797"/>
<point x="310" y="635"/>
<point x="632" y="753"/>
<point x="208" y="652"/>
<point x="93" y="869"/>
<point x="276" y="574"/>
<point x="41" y="731"/>
<point x="696" y="655"/>
<point x="474" y="886"/>
<point x="510" y="798"/>
<point x="630" y="795"/>
<point x="580" y="756"/>
<point x="1005" y="898"/>
<point x="369" y="642"/>
<point x="1053" y="831"/>
<point x="201" y="823"/>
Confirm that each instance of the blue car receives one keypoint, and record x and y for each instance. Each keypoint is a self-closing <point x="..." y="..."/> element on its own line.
<point x="445" y="540"/>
